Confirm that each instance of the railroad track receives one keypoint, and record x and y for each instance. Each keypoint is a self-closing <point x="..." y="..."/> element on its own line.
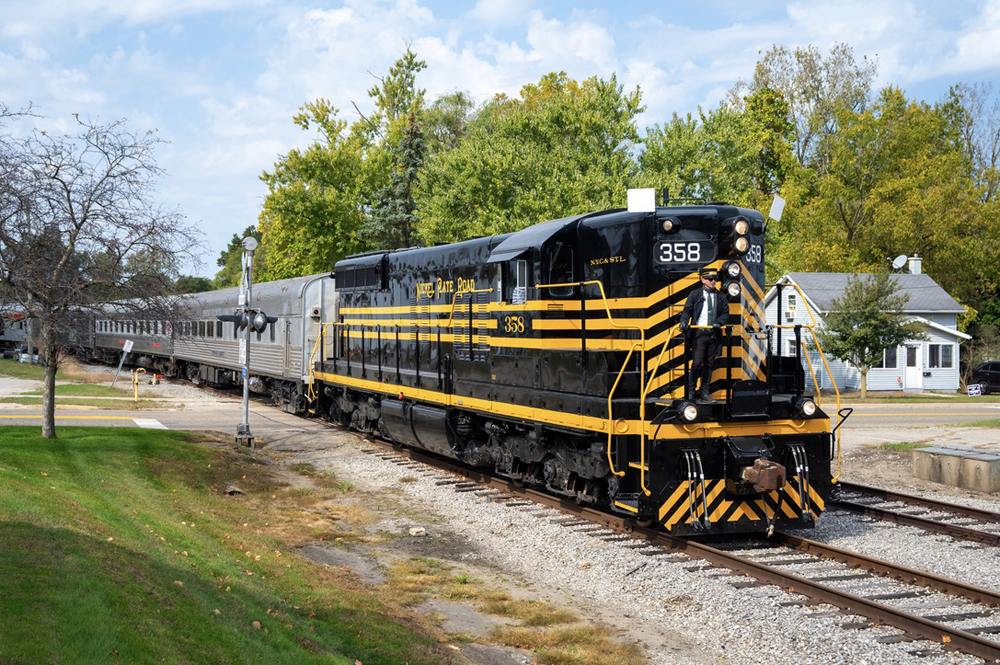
<point x="962" y="522"/>
<point x="821" y="573"/>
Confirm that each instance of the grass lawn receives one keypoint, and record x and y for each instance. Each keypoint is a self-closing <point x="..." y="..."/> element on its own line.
<point x="122" y="404"/>
<point x="90" y="390"/>
<point x="68" y="372"/>
<point x="905" y="446"/>
<point x="119" y="544"/>
<point x="988" y="422"/>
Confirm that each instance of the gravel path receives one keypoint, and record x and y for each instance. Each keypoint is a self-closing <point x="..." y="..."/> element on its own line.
<point x="682" y="612"/>
<point x="11" y="386"/>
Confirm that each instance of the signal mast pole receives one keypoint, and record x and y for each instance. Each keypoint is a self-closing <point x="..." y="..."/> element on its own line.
<point x="243" y="435"/>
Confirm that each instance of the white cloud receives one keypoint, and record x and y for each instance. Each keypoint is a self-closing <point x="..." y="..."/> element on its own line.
<point x="494" y="14"/>
<point x="979" y="46"/>
<point x="222" y="78"/>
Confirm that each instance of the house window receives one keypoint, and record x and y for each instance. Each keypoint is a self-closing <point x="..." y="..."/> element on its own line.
<point x="792" y="347"/>
<point x="940" y="356"/>
<point x="792" y="301"/>
<point x="890" y="359"/>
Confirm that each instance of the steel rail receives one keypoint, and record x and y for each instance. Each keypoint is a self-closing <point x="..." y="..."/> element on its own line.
<point x="925" y="523"/>
<point x="923" y="502"/>
<point x="884" y="568"/>
<point x="961" y="532"/>
<point x="912" y="625"/>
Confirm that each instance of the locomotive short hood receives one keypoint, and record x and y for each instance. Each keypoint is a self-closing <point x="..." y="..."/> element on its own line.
<point x="533" y="237"/>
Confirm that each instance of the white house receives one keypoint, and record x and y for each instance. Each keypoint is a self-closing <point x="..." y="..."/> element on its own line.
<point x="918" y="365"/>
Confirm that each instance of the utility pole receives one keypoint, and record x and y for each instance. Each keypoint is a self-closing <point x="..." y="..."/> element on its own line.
<point x="243" y="435"/>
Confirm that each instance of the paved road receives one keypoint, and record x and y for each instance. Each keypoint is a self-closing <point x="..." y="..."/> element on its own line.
<point x="268" y="424"/>
<point x="870" y="424"/>
<point x="934" y="414"/>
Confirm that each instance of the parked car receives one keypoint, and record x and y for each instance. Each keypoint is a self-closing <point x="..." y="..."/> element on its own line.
<point x="987" y="375"/>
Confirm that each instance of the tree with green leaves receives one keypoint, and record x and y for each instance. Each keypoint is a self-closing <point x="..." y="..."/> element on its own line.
<point x="392" y="221"/>
<point x="740" y="153"/>
<point x="192" y="284"/>
<point x="817" y="88"/>
<point x="866" y="320"/>
<point x="561" y="148"/>
<point x="319" y="199"/>
<point x="392" y="218"/>
<point x="315" y="205"/>
<point x="898" y="182"/>
<point x="446" y="121"/>
<point x="231" y="259"/>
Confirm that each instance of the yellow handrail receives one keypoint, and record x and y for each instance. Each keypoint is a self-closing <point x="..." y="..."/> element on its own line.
<point x="811" y="327"/>
<point x="641" y="345"/>
<point x="454" y="302"/>
<point x="310" y="388"/>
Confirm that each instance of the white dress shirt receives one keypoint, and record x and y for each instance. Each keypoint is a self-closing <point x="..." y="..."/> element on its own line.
<point x="703" y="314"/>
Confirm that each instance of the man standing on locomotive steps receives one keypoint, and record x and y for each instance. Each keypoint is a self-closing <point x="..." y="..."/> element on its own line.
<point x="708" y="310"/>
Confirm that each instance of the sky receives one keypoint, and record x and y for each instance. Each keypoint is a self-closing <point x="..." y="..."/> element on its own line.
<point x="220" y="80"/>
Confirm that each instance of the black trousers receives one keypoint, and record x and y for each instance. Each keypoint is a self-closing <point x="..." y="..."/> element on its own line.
<point x="704" y="347"/>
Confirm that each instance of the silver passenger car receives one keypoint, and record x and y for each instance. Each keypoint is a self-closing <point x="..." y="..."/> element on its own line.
<point x="195" y="344"/>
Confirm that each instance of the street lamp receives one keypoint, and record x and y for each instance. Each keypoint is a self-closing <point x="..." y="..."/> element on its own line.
<point x="243" y="435"/>
<point x="252" y="320"/>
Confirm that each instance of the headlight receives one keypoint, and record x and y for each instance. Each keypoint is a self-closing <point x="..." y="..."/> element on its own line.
<point x="732" y="268"/>
<point x="741" y="227"/>
<point x="806" y="406"/>
<point x="733" y="289"/>
<point x="741" y="245"/>
<point x="670" y="224"/>
<point x="689" y="412"/>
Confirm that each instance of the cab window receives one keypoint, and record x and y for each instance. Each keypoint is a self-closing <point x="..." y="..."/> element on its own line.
<point x="517" y="282"/>
<point x="560" y="270"/>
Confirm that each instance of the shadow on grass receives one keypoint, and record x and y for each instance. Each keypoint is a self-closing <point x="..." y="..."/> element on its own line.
<point x="67" y="597"/>
<point x="100" y="561"/>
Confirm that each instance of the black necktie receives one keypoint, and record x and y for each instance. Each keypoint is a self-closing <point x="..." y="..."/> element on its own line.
<point x="711" y="307"/>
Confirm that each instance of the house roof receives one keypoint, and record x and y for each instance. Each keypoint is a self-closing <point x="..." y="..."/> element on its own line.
<point x="822" y="288"/>
<point x="942" y="329"/>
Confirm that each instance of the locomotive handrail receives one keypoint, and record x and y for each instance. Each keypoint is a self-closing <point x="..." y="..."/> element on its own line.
<point x="670" y="336"/>
<point x="811" y="327"/>
<point x="310" y="389"/>
<point x="641" y="345"/>
<point x="454" y="302"/>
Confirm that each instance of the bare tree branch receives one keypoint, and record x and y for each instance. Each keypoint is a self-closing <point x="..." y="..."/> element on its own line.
<point x="80" y="229"/>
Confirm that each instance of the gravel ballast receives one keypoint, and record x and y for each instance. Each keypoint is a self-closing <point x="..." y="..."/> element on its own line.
<point x="683" y="610"/>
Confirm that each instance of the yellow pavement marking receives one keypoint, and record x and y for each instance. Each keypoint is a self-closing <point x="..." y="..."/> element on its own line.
<point x="76" y="417"/>
<point x="930" y="413"/>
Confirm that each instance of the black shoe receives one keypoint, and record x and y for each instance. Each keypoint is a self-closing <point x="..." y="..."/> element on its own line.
<point x="705" y="396"/>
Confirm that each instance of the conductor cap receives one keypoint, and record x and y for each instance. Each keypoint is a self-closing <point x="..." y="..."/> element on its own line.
<point x="711" y="273"/>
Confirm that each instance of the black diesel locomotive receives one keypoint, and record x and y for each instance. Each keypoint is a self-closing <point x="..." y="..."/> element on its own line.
<point x="552" y="356"/>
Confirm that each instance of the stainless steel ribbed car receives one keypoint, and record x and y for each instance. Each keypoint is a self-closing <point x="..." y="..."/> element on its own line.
<point x="196" y="345"/>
